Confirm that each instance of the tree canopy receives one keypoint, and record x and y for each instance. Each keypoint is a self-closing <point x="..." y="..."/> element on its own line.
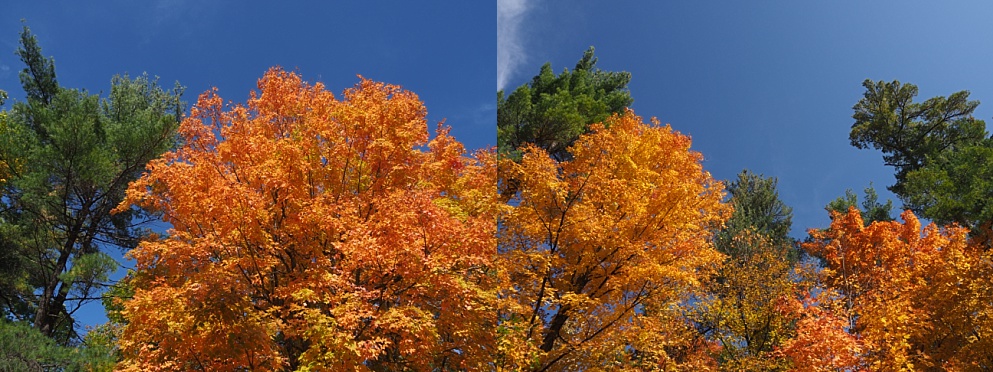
<point x="916" y="299"/>
<point x="740" y="308"/>
<point x="601" y="250"/>
<point x="313" y="232"/>
<point x="909" y="133"/>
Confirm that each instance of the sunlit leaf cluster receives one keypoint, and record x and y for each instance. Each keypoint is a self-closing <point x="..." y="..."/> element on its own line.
<point x="600" y="250"/>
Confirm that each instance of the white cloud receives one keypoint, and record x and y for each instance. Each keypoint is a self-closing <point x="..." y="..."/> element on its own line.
<point x="510" y="51"/>
<point x="4" y="71"/>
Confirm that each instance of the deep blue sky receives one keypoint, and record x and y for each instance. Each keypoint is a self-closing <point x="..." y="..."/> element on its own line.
<point x="770" y="85"/>
<point x="442" y="50"/>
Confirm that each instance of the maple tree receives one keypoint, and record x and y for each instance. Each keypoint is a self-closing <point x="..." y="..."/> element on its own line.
<point x="314" y="233"/>
<point x="821" y="342"/>
<point x="917" y="299"/>
<point x="600" y="251"/>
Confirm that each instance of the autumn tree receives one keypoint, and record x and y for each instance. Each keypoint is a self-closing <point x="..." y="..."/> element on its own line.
<point x="916" y="299"/>
<point x="552" y="111"/>
<point x="821" y="341"/>
<point x="67" y="157"/>
<point x="314" y="233"/>
<point x="740" y="309"/>
<point x="600" y="251"/>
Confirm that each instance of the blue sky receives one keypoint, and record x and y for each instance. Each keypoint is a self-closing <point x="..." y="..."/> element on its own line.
<point x="443" y="51"/>
<point x="765" y="85"/>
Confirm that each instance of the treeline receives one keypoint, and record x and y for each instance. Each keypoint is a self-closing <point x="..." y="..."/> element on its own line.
<point x="319" y="232"/>
<point x="865" y="293"/>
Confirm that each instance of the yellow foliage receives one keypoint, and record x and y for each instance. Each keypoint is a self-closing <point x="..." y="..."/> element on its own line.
<point x="742" y="307"/>
<point x="599" y="250"/>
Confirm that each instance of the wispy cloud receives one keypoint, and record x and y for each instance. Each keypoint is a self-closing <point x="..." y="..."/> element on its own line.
<point x="4" y="71"/>
<point x="510" y="51"/>
<point x="483" y="115"/>
<point x="479" y="117"/>
<point x="176" y="18"/>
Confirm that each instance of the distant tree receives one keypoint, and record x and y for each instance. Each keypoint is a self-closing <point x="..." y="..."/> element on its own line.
<point x="871" y="209"/>
<point x="757" y="207"/>
<point x="552" y="111"/>
<point x="69" y="157"/>
<point x="741" y="307"/>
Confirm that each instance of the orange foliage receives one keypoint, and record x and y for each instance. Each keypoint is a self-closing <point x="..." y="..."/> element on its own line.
<point x="916" y="299"/>
<point x="314" y="233"/>
<point x="599" y="251"/>
<point x="821" y="342"/>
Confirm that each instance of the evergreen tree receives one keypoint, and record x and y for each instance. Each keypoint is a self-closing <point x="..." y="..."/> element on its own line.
<point x="70" y="156"/>
<point x="552" y="111"/>
<point x="756" y="207"/>
<point x="871" y="210"/>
